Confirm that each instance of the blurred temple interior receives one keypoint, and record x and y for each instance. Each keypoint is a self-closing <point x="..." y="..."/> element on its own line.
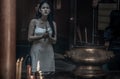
<point x="88" y="38"/>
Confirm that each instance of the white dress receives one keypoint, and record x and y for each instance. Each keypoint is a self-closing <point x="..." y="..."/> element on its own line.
<point x="42" y="51"/>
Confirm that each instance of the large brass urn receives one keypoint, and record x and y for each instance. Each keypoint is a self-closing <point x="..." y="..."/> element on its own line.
<point x="90" y="60"/>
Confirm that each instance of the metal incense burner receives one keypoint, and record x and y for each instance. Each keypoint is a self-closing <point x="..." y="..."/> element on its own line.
<point x="89" y="60"/>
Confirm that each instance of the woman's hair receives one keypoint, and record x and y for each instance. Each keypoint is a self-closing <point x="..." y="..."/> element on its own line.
<point x="50" y="16"/>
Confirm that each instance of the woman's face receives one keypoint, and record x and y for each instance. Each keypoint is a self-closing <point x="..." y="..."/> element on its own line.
<point x="45" y="9"/>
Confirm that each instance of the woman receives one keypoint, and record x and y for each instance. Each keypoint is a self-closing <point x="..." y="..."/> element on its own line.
<point x="42" y="32"/>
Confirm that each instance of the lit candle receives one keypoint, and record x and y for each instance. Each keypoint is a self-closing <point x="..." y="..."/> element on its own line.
<point x="39" y="72"/>
<point x="17" y="68"/>
<point x="20" y="68"/>
<point x="38" y="65"/>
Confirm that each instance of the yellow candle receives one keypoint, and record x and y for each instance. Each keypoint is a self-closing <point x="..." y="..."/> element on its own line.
<point x="17" y="68"/>
<point x="20" y="68"/>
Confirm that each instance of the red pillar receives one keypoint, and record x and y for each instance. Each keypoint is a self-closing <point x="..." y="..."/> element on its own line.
<point x="7" y="39"/>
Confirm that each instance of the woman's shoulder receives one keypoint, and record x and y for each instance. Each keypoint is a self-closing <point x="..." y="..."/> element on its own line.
<point x="34" y="20"/>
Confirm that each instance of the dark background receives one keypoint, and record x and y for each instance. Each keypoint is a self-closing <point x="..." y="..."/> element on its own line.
<point x="72" y="14"/>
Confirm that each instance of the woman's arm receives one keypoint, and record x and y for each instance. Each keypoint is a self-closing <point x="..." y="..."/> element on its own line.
<point x="53" y="39"/>
<point x="31" y="36"/>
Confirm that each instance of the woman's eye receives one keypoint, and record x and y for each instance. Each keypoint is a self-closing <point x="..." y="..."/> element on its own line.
<point x="43" y="8"/>
<point x="47" y="7"/>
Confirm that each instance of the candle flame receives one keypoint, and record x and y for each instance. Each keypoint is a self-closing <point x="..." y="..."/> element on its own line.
<point x="21" y="59"/>
<point x="18" y="60"/>
<point x="38" y="65"/>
